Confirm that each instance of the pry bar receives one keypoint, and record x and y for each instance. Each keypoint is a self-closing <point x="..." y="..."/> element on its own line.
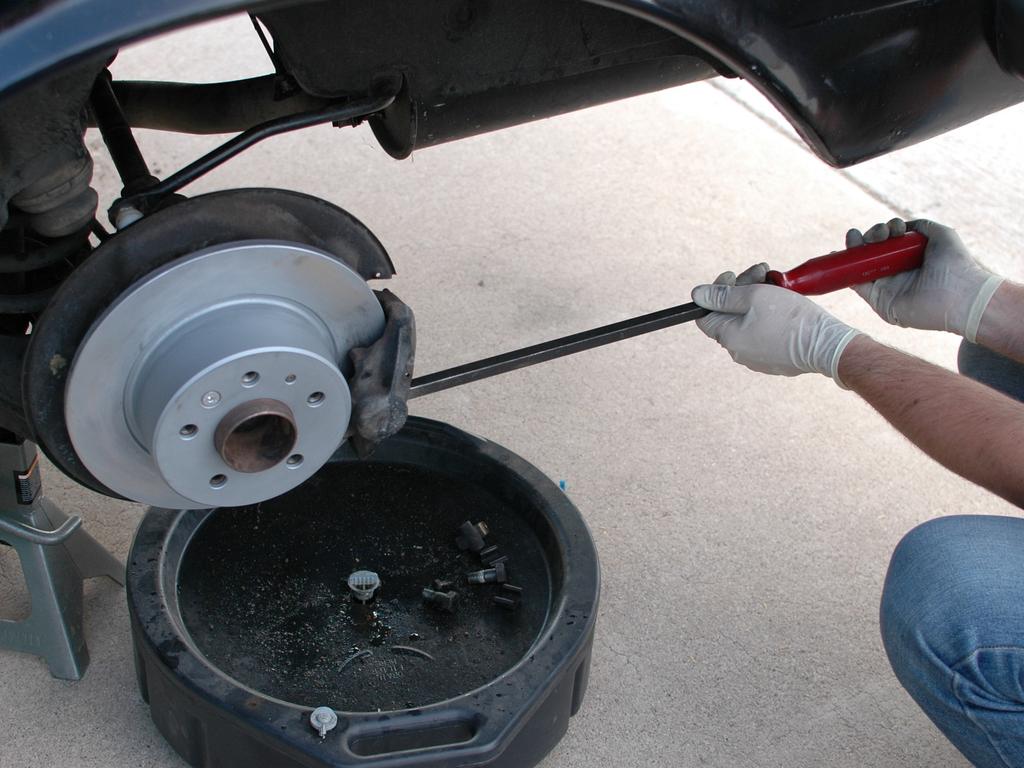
<point x="551" y="350"/>
<point x="817" y="276"/>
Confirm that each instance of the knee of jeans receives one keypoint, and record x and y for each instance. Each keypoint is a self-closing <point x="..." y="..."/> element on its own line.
<point x="909" y="595"/>
<point x="990" y="676"/>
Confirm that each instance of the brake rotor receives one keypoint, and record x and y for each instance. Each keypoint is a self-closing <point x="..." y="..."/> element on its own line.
<point x="217" y="380"/>
<point x="199" y="357"/>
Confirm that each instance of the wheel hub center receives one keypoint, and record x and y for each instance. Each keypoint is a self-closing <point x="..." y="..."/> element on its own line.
<point x="256" y="436"/>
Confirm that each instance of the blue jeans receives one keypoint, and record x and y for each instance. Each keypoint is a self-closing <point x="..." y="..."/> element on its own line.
<point x="952" y="613"/>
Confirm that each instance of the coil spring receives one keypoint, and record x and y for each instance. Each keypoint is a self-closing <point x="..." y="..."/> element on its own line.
<point x="32" y="267"/>
<point x="45" y="237"/>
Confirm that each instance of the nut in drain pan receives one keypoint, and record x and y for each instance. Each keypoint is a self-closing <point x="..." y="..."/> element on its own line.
<point x="252" y="610"/>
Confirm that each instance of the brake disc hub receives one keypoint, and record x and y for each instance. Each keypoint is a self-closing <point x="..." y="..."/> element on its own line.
<point x="219" y="380"/>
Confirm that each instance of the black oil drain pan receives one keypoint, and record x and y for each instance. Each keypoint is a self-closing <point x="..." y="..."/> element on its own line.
<point x="243" y="622"/>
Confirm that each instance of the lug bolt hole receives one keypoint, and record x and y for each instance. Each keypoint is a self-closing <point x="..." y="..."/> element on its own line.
<point x="188" y="431"/>
<point x="250" y="379"/>
<point x="315" y="399"/>
<point x="290" y="378"/>
<point x="295" y="461"/>
<point x="218" y="481"/>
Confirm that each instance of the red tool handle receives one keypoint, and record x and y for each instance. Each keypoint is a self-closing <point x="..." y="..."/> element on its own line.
<point x="854" y="266"/>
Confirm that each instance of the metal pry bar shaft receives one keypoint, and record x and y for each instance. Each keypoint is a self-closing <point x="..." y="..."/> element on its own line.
<point x="822" y="275"/>
<point x="551" y="350"/>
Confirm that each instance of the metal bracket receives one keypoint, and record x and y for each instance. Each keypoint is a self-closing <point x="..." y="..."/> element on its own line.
<point x="383" y="373"/>
<point x="38" y="536"/>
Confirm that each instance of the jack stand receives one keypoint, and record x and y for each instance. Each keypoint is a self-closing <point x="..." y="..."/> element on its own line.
<point x="56" y="555"/>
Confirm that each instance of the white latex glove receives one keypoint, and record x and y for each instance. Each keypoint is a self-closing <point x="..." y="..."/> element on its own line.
<point x="770" y="329"/>
<point x="950" y="291"/>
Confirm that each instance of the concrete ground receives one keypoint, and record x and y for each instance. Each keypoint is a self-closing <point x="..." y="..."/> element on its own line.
<point x="744" y="522"/>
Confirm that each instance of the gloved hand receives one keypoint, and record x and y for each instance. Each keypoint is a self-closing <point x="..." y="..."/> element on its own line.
<point x="770" y="329"/>
<point x="948" y="293"/>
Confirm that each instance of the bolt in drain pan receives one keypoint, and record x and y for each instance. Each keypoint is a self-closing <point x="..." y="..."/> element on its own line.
<point x="243" y="623"/>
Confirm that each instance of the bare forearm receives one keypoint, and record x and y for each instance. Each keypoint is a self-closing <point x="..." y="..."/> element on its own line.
<point x="965" y="426"/>
<point x="1002" y="326"/>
